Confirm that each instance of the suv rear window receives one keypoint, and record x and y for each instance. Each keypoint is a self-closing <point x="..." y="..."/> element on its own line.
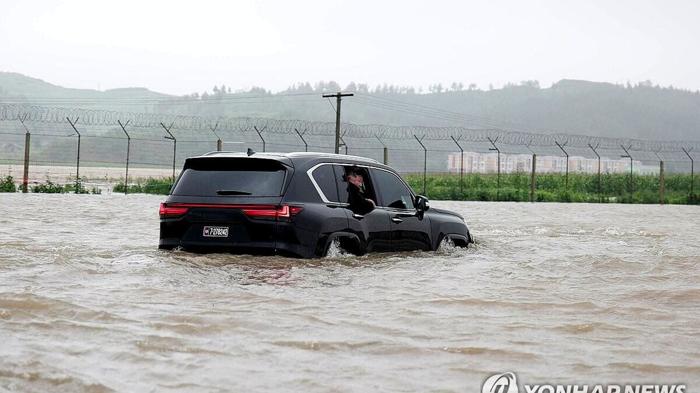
<point x="325" y="179"/>
<point x="231" y="177"/>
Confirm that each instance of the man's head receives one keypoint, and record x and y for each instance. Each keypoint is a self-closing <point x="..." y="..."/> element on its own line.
<point x="354" y="176"/>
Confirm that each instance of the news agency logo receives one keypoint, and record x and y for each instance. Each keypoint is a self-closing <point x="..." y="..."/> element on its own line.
<point x="507" y="383"/>
<point x="500" y="383"/>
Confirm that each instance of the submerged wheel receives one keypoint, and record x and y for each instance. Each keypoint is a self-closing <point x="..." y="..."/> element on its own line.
<point x="454" y="241"/>
<point x="342" y="245"/>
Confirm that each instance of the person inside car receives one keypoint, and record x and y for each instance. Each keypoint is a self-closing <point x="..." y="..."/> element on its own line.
<point x="357" y="198"/>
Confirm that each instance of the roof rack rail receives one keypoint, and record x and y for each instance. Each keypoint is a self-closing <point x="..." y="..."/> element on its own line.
<point x="211" y="153"/>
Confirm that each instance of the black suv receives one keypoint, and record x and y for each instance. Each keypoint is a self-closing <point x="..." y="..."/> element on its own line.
<point x="298" y="204"/>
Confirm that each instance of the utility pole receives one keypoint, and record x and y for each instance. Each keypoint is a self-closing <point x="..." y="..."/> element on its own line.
<point x="338" y="96"/>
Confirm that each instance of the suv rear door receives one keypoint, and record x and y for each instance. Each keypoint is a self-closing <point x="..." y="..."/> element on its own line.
<point x="229" y="202"/>
<point x="410" y="230"/>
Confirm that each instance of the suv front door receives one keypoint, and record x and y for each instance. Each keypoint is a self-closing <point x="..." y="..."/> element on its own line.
<point x="374" y="227"/>
<point x="410" y="230"/>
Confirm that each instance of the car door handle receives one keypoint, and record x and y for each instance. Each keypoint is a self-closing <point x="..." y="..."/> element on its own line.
<point x="358" y="216"/>
<point x="396" y="220"/>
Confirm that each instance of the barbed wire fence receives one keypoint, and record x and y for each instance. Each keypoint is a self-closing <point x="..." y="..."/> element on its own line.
<point x="50" y="137"/>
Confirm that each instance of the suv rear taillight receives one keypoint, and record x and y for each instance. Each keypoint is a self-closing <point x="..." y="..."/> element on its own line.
<point x="277" y="212"/>
<point x="171" y="211"/>
<point x="253" y="211"/>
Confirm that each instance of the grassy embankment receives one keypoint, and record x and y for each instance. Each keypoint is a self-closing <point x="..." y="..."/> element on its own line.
<point x="7" y="184"/>
<point x="552" y="188"/>
<point x="147" y="186"/>
<point x="483" y="187"/>
<point x="516" y="187"/>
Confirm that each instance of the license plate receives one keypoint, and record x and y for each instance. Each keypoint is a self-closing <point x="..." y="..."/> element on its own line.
<point x="215" y="232"/>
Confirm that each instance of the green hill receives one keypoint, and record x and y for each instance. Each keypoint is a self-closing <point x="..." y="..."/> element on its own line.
<point x="569" y="106"/>
<point x="18" y="88"/>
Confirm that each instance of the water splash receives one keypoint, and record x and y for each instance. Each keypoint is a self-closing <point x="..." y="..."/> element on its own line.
<point x="335" y="250"/>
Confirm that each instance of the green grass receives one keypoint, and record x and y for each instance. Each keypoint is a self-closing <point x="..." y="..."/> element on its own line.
<point x="147" y="186"/>
<point x="50" y="187"/>
<point x="553" y="188"/>
<point x="8" y="184"/>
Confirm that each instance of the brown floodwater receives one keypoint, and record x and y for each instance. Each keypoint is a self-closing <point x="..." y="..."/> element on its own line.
<point x="568" y="293"/>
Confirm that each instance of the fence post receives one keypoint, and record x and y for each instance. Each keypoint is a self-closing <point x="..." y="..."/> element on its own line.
<point x="600" y="190"/>
<point x="566" y="180"/>
<point x="260" y="135"/>
<point x="692" y="173"/>
<point x="27" y="144"/>
<point x="77" y="163"/>
<point x="662" y="183"/>
<point x="386" y="151"/>
<point x="533" y="185"/>
<point x="128" y="148"/>
<point x="306" y="145"/>
<point x="219" y="143"/>
<point x="461" y="166"/>
<point x="341" y="142"/>
<point x="533" y="181"/>
<point x="345" y="145"/>
<point x="627" y="155"/>
<point x="498" y="164"/>
<point x="425" y="161"/>
<point x="172" y="138"/>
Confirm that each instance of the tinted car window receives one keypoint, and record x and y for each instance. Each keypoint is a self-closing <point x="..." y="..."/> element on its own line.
<point x="221" y="177"/>
<point x="393" y="192"/>
<point x="325" y="178"/>
<point x="342" y="183"/>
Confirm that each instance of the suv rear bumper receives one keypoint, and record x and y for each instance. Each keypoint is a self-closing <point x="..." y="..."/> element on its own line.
<point x="252" y="248"/>
<point x="288" y="240"/>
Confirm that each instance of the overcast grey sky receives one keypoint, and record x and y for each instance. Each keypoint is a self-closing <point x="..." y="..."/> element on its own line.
<point x="186" y="46"/>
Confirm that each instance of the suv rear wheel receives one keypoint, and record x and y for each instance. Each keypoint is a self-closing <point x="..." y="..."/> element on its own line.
<point x="342" y="244"/>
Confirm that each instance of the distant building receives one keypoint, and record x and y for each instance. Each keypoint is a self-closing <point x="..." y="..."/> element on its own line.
<point x="488" y="163"/>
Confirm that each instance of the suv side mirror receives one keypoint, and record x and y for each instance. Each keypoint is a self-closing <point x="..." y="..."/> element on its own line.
<point x="421" y="203"/>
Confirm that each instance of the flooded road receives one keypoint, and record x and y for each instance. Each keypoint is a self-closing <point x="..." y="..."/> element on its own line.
<point x="568" y="293"/>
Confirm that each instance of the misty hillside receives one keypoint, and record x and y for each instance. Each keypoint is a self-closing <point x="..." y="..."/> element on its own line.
<point x="18" y="88"/>
<point x="569" y="106"/>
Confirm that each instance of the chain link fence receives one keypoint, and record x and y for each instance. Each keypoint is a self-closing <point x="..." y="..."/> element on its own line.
<point x="63" y="145"/>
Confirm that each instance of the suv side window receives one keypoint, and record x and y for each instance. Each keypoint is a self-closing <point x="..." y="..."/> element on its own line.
<point x="342" y="183"/>
<point x="392" y="190"/>
<point x="324" y="176"/>
<point x="340" y="178"/>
